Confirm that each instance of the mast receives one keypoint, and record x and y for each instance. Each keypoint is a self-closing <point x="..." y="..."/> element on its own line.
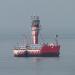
<point x="56" y="39"/>
<point x="35" y="29"/>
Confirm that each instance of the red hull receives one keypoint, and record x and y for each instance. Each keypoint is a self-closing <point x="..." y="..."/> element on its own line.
<point x="50" y="49"/>
<point x="38" y="55"/>
<point x="45" y="51"/>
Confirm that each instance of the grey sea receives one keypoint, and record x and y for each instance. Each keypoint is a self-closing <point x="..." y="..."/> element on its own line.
<point x="63" y="65"/>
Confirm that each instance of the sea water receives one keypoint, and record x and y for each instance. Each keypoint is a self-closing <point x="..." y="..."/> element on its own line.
<point x="63" y="65"/>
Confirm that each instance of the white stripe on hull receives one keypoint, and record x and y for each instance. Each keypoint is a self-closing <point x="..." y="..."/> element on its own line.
<point x="17" y="52"/>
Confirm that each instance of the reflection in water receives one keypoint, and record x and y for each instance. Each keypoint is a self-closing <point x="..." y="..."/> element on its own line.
<point x="40" y="62"/>
<point x="44" y="59"/>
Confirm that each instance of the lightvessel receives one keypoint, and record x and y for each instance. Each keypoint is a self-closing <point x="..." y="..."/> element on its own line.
<point x="35" y="49"/>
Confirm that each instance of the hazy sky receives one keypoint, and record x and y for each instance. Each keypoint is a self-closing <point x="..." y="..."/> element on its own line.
<point x="57" y="16"/>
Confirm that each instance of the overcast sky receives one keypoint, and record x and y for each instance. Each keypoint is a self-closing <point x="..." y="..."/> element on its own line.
<point x="57" y="16"/>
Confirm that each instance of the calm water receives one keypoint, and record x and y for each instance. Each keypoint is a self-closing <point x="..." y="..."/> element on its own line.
<point x="64" y="65"/>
